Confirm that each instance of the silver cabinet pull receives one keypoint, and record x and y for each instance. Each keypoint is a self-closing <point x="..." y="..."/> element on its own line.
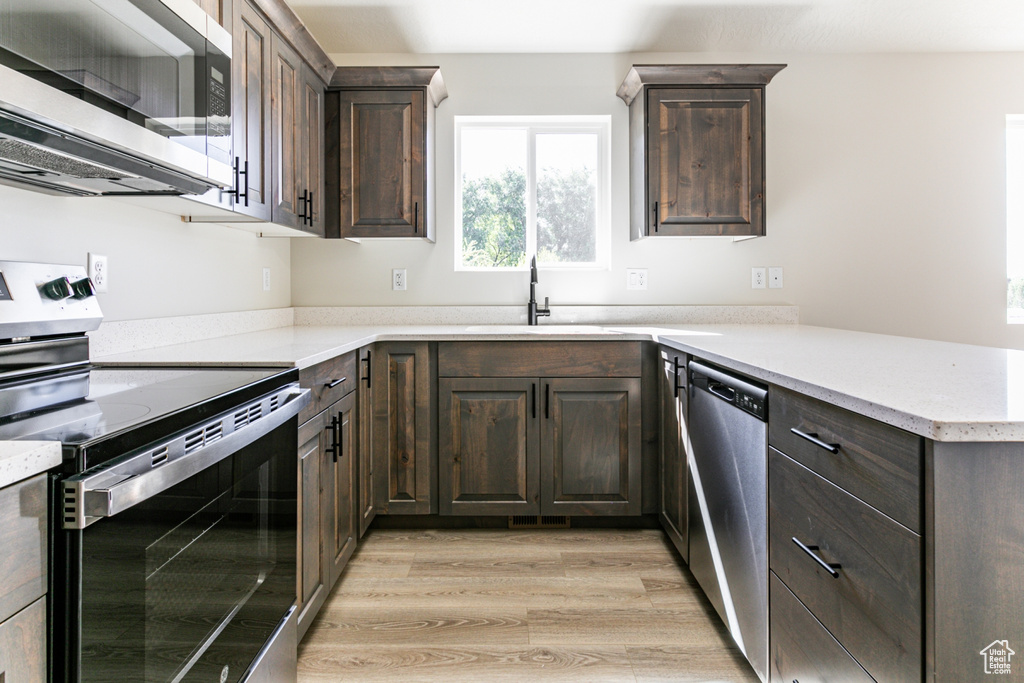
<point x="809" y="549"/>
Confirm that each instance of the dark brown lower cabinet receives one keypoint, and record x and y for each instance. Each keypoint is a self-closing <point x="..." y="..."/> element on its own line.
<point x="549" y="446"/>
<point x="367" y="509"/>
<point x="674" y="474"/>
<point x="404" y="441"/>
<point x="341" y="531"/>
<point x="327" y="514"/>
<point x="801" y="649"/>
<point x="590" y="446"/>
<point x="489" y="446"/>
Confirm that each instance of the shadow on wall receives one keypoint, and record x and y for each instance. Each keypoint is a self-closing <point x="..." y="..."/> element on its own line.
<point x="694" y="28"/>
<point x="343" y="29"/>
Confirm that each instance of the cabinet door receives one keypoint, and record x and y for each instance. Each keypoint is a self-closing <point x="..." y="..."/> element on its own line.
<point x="313" y="572"/>
<point x="286" y="101"/>
<point x="364" y="415"/>
<point x="590" y="447"/>
<point x="339" y="487"/>
<point x="381" y="150"/>
<point x="404" y="440"/>
<point x="23" y="644"/>
<point x="489" y="443"/>
<point x="250" y="110"/>
<point x="705" y="161"/>
<point x="311" y="153"/>
<point x="673" y="450"/>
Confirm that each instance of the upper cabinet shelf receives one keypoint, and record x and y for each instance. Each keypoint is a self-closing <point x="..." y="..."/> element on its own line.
<point x="696" y="160"/>
<point x="380" y="151"/>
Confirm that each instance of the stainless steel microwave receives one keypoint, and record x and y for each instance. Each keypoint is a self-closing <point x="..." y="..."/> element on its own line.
<point x="101" y="97"/>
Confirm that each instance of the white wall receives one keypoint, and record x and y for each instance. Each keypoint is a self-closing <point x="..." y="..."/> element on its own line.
<point x="885" y="205"/>
<point x="159" y="266"/>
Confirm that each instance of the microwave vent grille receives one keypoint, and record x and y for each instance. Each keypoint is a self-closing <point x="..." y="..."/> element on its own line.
<point x="34" y="157"/>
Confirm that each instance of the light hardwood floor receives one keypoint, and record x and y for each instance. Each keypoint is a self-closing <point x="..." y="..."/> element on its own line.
<point x="495" y="606"/>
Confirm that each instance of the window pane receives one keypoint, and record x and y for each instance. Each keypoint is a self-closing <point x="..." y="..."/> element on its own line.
<point x="493" y="197"/>
<point x="567" y="197"/>
<point x="1015" y="219"/>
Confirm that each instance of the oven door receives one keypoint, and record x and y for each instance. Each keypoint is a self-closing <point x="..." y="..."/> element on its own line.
<point x="186" y="571"/>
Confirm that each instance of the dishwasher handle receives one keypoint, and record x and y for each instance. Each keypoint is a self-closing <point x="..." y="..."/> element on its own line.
<point x="722" y="391"/>
<point x="735" y="390"/>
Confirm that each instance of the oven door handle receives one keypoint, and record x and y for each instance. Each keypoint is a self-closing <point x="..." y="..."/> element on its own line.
<point x="89" y="497"/>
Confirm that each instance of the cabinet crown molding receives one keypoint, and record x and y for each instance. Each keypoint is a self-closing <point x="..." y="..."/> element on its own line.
<point x="695" y="74"/>
<point x="378" y="77"/>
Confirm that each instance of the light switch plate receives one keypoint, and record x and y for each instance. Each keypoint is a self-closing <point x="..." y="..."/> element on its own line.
<point x="266" y="279"/>
<point x="775" y="277"/>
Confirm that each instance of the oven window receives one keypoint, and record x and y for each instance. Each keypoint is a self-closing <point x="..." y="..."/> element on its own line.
<point x="189" y="585"/>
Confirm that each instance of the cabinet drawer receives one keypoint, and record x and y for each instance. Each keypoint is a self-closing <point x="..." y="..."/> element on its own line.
<point x="800" y="647"/>
<point x="23" y="531"/>
<point x="878" y="463"/>
<point x="323" y="379"/>
<point x="873" y="606"/>
<point x="538" y="359"/>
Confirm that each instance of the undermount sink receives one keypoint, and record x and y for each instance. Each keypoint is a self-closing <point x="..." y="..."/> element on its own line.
<point x="539" y="329"/>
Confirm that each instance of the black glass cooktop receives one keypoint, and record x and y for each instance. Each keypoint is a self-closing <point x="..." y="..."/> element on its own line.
<point x="128" y="408"/>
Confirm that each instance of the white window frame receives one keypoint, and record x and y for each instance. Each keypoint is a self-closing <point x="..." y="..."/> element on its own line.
<point x="600" y="125"/>
<point x="1015" y="122"/>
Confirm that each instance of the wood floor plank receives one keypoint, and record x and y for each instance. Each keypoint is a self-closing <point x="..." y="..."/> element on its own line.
<point x="521" y="539"/>
<point x="489" y="592"/>
<point x="379" y="564"/>
<point x="674" y="591"/>
<point x="673" y="664"/>
<point x="497" y="664"/>
<point x="491" y="564"/>
<point x="654" y="564"/>
<point x="339" y="625"/>
<point x="622" y="626"/>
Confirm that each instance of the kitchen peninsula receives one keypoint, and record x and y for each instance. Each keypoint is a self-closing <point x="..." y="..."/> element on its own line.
<point x="964" y="404"/>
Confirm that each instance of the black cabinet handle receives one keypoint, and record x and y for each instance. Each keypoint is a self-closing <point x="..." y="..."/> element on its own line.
<point x="333" y="429"/>
<point x="335" y="382"/>
<point x="533" y="399"/>
<point x="547" y="401"/>
<point x="244" y="195"/>
<point x="238" y="188"/>
<point x="809" y="549"/>
<point x="340" y="450"/>
<point x="305" y="206"/>
<point x="416" y="217"/>
<point x="832" y="448"/>
<point x="675" y="377"/>
<point x="309" y="212"/>
<point x="655" y="216"/>
<point x="367" y="361"/>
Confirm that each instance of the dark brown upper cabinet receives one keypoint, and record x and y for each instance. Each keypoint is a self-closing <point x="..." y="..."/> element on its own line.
<point x="296" y="121"/>
<point x="380" y="151"/>
<point x="250" y="106"/>
<point x="696" y="159"/>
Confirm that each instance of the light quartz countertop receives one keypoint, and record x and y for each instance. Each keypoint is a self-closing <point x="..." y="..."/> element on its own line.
<point x="23" y="459"/>
<point x="939" y="390"/>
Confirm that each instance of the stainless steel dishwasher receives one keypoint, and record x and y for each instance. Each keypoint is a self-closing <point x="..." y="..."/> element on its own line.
<point x="728" y="503"/>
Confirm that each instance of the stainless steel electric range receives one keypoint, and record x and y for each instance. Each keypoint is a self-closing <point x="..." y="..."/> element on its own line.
<point x="174" y="513"/>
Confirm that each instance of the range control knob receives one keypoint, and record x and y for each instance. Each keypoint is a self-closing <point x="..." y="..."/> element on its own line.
<point x="58" y="289"/>
<point x="83" y="288"/>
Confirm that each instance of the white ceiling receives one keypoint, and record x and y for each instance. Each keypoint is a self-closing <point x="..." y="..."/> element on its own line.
<point x="614" y="26"/>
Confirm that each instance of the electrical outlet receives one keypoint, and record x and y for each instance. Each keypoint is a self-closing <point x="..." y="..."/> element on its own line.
<point x="758" y="276"/>
<point x="775" y="277"/>
<point x="266" y="279"/>
<point x="399" y="283"/>
<point x="636" y="278"/>
<point x="98" y="272"/>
